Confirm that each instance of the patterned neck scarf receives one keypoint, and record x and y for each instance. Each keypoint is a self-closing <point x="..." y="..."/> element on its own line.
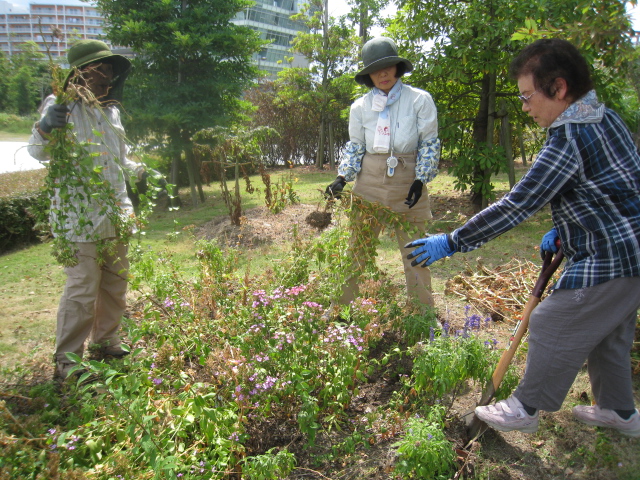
<point x="381" y="103"/>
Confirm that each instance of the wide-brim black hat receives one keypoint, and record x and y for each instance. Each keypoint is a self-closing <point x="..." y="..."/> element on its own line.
<point x="379" y="53"/>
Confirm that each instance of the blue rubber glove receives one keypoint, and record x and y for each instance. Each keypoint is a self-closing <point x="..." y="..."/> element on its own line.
<point x="54" y="117"/>
<point x="430" y="249"/>
<point x="548" y="243"/>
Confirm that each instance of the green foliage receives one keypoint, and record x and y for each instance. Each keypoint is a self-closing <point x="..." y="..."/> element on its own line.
<point x="270" y="466"/>
<point x="424" y="451"/>
<point x="17" y="124"/>
<point x="22" y="219"/>
<point x="470" y="167"/>
<point x="282" y="193"/>
<point x="420" y="326"/>
<point x="472" y="46"/>
<point x="366" y="14"/>
<point x="446" y="362"/>
<point x="24" y="80"/>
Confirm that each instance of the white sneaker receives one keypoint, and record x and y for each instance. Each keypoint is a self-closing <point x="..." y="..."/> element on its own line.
<point x="603" y="417"/>
<point x="508" y="415"/>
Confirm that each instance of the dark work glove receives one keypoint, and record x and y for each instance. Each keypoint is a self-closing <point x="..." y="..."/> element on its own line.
<point x="153" y="177"/>
<point x="54" y="117"/>
<point x="430" y="249"/>
<point x="335" y="188"/>
<point x="415" y="192"/>
<point x="158" y="178"/>
<point x="548" y="243"/>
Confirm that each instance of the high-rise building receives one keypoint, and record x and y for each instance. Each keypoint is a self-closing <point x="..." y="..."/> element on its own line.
<point x="58" y="23"/>
<point x="50" y="24"/>
<point x="271" y="18"/>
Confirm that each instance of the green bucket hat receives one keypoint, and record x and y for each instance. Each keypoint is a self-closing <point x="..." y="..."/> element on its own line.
<point x="379" y="53"/>
<point x="85" y="52"/>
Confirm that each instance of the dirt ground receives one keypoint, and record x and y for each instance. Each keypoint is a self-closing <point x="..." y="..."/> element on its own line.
<point x="561" y="449"/>
<point x="259" y="226"/>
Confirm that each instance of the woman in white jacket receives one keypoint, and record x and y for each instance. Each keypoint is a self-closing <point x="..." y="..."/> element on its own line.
<point x="94" y="297"/>
<point x="393" y="152"/>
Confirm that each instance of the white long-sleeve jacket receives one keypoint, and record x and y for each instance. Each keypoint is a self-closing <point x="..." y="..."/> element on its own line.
<point x="111" y="150"/>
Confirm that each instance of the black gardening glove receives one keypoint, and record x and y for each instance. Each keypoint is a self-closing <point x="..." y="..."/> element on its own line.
<point x="55" y="117"/>
<point x="153" y="177"/>
<point x="333" y="190"/>
<point x="415" y="192"/>
<point x="158" y="178"/>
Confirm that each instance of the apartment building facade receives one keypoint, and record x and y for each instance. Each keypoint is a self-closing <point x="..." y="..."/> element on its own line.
<point x="52" y="25"/>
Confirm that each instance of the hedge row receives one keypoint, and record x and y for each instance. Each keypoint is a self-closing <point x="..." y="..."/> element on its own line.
<point x="23" y="220"/>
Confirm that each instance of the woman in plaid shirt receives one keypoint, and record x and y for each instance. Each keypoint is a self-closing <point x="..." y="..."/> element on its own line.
<point x="589" y="172"/>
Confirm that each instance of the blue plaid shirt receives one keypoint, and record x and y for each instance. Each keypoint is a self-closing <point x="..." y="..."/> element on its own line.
<point x="589" y="171"/>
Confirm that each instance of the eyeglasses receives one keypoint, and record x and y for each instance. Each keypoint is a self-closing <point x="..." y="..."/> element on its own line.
<point x="525" y="99"/>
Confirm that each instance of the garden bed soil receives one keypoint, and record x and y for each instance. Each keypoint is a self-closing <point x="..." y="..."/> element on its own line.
<point x="258" y="226"/>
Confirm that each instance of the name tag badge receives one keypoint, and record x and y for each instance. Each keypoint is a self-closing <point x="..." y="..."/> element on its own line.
<point x="392" y="163"/>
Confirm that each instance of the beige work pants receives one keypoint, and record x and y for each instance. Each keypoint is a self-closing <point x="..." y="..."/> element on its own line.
<point x="374" y="185"/>
<point x="93" y="301"/>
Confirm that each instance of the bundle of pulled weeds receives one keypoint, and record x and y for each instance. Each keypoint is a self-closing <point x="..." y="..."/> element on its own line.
<point x="501" y="292"/>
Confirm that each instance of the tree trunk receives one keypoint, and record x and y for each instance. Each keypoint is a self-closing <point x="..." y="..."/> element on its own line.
<point x="175" y="171"/>
<point x="192" y="178"/>
<point x="505" y="141"/>
<point x="491" y="117"/>
<point x="362" y="31"/>
<point x="523" y="153"/>
<point x="320" y="151"/>
<point x="480" y="134"/>
<point x="198" y="166"/>
<point x="324" y="87"/>
<point x="332" y="159"/>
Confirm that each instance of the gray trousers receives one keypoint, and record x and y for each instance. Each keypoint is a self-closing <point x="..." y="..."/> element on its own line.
<point x="93" y="301"/>
<point x="596" y="324"/>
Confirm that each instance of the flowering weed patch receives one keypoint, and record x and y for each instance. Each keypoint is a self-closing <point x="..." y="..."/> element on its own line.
<point x="232" y="376"/>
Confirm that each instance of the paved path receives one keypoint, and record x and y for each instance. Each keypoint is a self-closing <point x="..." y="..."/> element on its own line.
<point x="14" y="158"/>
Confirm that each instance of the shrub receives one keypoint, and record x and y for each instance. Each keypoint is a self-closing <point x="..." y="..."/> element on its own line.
<point x="22" y="219"/>
<point x="17" y="124"/>
<point x="424" y="451"/>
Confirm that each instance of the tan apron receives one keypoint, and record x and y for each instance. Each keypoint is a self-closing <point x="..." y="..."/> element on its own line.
<point x="374" y="185"/>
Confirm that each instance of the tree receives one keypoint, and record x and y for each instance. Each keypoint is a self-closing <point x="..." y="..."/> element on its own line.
<point x="5" y="71"/>
<point x="364" y="13"/>
<point x="23" y="84"/>
<point x="294" y="91"/>
<point x="190" y="69"/>
<point x="331" y="47"/>
<point x="466" y="65"/>
<point x="236" y="149"/>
